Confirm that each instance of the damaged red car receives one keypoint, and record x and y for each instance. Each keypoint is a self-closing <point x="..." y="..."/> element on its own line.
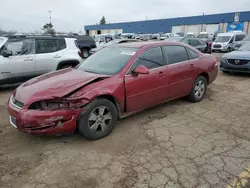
<point x="113" y="83"/>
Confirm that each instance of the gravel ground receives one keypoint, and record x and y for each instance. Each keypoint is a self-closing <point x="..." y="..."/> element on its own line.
<point x="176" y="145"/>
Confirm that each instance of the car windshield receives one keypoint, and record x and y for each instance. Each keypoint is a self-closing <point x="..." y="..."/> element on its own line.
<point x="222" y="38"/>
<point x="108" y="61"/>
<point x="245" y="39"/>
<point x="245" y="47"/>
<point x="202" y="36"/>
<point x="175" y="39"/>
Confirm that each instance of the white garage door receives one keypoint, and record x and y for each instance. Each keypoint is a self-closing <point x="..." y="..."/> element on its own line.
<point x="194" y="29"/>
<point x="211" y="28"/>
<point x="176" y="29"/>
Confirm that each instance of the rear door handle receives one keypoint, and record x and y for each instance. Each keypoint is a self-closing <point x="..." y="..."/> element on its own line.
<point x="192" y="66"/>
<point x="161" y="73"/>
<point x="28" y="59"/>
<point x="57" y="56"/>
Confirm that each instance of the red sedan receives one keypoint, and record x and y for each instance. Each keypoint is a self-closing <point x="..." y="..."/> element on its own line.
<point x="113" y="83"/>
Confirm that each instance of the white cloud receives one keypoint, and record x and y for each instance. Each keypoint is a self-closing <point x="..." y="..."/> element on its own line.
<point x="72" y="15"/>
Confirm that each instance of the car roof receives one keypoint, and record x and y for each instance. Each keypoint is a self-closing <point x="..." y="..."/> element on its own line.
<point x="146" y="44"/>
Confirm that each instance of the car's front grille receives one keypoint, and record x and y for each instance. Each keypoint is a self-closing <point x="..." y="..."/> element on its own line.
<point x="238" y="61"/>
<point x="16" y="102"/>
<point x="217" y="46"/>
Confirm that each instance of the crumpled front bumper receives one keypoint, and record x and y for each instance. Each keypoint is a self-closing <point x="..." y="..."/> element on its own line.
<point x="39" y="122"/>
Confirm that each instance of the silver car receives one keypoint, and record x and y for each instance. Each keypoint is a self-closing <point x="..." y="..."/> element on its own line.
<point x="24" y="58"/>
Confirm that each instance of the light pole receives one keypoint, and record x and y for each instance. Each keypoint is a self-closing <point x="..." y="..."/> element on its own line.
<point x="49" y="16"/>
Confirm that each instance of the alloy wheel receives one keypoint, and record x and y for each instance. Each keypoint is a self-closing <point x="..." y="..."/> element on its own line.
<point x="99" y="119"/>
<point x="199" y="89"/>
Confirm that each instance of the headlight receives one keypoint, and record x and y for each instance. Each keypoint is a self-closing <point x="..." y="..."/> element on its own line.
<point x="51" y="105"/>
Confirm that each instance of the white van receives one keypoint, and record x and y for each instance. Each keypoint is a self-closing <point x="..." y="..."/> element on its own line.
<point x="225" y="41"/>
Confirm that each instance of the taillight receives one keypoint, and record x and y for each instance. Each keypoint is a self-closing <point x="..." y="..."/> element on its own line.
<point x="80" y="54"/>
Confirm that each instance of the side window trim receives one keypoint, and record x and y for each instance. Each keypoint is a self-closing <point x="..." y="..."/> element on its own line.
<point x="138" y="57"/>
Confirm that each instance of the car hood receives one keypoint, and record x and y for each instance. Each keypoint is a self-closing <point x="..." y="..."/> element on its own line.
<point x="54" y="85"/>
<point x="238" y="55"/>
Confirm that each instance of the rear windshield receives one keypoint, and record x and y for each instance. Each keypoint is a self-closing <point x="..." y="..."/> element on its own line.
<point x="108" y="61"/>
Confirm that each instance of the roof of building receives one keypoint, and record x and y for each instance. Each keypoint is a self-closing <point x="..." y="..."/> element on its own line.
<point x="165" y="25"/>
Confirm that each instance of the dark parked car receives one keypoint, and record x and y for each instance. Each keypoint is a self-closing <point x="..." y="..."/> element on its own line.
<point x="117" y="81"/>
<point x="237" y="61"/>
<point x="85" y="44"/>
<point x="112" y="42"/>
<point x="198" y="44"/>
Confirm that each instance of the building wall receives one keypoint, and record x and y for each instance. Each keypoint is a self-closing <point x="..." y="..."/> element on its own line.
<point x="165" y="25"/>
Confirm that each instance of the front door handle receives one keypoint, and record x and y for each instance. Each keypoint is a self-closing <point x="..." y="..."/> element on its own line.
<point x="192" y="66"/>
<point x="28" y="59"/>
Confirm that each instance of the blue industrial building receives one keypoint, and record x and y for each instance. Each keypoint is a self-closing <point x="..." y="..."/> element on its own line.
<point x="166" y="25"/>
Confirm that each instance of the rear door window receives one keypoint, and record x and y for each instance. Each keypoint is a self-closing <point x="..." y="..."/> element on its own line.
<point x="62" y="44"/>
<point x="239" y="37"/>
<point x="175" y="54"/>
<point x="47" y="46"/>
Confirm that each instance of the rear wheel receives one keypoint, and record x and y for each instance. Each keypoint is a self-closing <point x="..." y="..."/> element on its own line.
<point x="98" y="119"/>
<point x="85" y="53"/>
<point x="199" y="89"/>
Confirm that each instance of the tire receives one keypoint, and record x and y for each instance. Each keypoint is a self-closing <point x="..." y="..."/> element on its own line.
<point x="193" y="97"/>
<point x="85" y="53"/>
<point x="89" y="123"/>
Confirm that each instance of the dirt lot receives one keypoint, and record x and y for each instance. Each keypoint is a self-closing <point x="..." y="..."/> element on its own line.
<point x="176" y="145"/>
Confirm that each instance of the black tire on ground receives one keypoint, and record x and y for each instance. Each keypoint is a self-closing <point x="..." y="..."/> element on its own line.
<point x="85" y="53"/>
<point x="199" y="83"/>
<point x="85" y="121"/>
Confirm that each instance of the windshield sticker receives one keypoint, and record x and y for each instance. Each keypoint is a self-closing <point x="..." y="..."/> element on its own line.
<point x="128" y="53"/>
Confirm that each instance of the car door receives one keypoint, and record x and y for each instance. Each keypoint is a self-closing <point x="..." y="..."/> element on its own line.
<point x="48" y="55"/>
<point x="22" y="62"/>
<point x="181" y="70"/>
<point x="147" y="90"/>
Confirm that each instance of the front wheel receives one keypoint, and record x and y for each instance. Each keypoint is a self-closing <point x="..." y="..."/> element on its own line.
<point x="98" y="119"/>
<point x="199" y="89"/>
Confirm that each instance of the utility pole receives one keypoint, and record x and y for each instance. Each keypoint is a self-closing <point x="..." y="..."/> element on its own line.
<point x="50" y="16"/>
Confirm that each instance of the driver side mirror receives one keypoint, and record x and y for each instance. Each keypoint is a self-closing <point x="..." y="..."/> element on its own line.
<point x="7" y="53"/>
<point x="141" y="69"/>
